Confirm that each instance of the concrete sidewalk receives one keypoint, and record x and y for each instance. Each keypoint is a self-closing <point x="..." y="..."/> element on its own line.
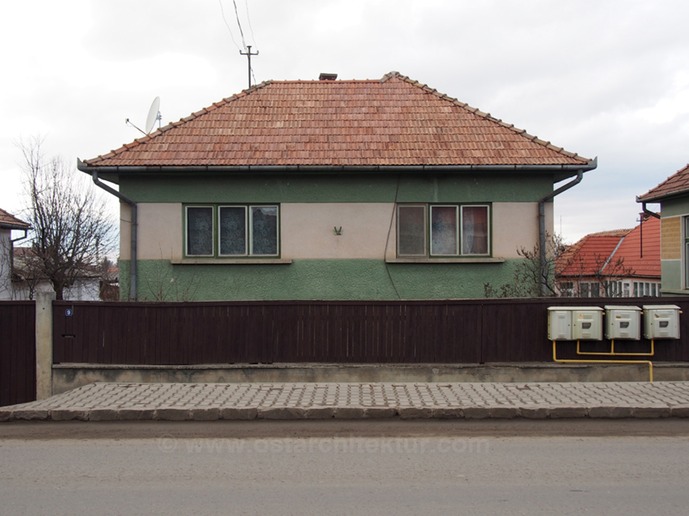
<point x="243" y="401"/>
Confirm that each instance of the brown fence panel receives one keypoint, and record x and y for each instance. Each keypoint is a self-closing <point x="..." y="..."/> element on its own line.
<point x="461" y="331"/>
<point x="17" y="352"/>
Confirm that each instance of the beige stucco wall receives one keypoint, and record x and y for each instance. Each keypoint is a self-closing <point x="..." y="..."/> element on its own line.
<point x="160" y="231"/>
<point x="308" y="230"/>
<point x="515" y="225"/>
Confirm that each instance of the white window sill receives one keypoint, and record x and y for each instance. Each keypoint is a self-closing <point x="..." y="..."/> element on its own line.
<point x="425" y="260"/>
<point x="231" y="261"/>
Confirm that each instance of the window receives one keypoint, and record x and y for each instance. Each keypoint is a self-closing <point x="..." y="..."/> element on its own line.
<point x="232" y="230"/>
<point x="443" y="230"/>
<point x="686" y="252"/>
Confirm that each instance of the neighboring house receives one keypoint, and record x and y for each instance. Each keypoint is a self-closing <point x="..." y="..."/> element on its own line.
<point x="331" y="189"/>
<point x="8" y="223"/>
<point x="619" y="263"/>
<point x="673" y="197"/>
<point x="93" y="283"/>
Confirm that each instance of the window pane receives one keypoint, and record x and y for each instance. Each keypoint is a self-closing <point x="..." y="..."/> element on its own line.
<point x="200" y="231"/>
<point x="232" y="230"/>
<point x="475" y="230"/>
<point x="411" y="230"/>
<point x="443" y="230"/>
<point x="264" y="230"/>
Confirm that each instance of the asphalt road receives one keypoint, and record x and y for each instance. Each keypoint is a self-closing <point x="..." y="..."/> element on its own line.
<point x="518" y="467"/>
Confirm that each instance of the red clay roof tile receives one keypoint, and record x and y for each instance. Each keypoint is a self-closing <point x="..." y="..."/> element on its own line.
<point x="673" y="185"/>
<point x="597" y="254"/>
<point x="393" y="121"/>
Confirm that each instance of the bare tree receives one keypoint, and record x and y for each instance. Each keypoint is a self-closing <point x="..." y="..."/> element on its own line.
<point x="531" y="279"/>
<point x="71" y="229"/>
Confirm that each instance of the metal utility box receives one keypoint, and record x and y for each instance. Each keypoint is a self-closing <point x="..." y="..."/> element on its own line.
<point x="661" y="321"/>
<point x="623" y="322"/>
<point x="575" y="323"/>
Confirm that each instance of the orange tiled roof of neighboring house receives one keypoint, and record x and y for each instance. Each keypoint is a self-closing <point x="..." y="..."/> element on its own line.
<point x="588" y="256"/>
<point x="675" y="184"/>
<point x="9" y="221"/>
<point x="643" y="262"/>
<point x="598" y="253"/>
<point x="394" y="121"/>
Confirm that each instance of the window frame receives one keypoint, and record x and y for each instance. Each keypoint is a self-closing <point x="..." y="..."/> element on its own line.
<point x="429" y="252"/>
<point x="216" y="231"/>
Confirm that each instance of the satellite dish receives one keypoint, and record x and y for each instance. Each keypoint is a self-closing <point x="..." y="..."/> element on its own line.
<point x="153" y="115"/>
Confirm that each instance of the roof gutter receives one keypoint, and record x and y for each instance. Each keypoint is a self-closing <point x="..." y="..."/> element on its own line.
<point x="646" y="210"/>
<point x="117" y="169"/>
<point x="133" y="267"/>
<point x="541" y="228"/>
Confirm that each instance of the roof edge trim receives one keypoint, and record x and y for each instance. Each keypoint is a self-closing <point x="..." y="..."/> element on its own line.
<point x="116" y="169"/>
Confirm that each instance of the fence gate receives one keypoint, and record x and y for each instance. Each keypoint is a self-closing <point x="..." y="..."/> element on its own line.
<point x="17" y="352"/>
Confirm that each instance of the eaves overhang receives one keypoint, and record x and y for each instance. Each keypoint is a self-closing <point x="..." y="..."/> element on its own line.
<point x="562" y="171"/>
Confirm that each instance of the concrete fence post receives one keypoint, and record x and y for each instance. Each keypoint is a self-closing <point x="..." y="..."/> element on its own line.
<point x="44" y="344"/>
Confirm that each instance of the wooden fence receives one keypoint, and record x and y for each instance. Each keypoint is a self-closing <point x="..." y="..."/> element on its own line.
<point x="17" y="352"/>
<point x="462" y="331"/>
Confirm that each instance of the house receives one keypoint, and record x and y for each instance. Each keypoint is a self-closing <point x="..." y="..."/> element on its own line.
<point x="673" y="197"/>
<point x="331" y="189"/>
<point x="93" y="283"/>
<point x="8" y="223"/>
<point x="619" y="263"/>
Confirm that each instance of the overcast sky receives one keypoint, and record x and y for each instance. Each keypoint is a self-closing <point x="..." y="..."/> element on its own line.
<point x="605" y="78"/>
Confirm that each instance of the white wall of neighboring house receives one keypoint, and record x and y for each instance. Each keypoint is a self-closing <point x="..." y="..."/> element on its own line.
<point x="5" y="265"/>
<point x="85" y="289"/>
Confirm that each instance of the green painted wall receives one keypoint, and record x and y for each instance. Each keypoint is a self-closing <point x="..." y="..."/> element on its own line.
<point x="675" y="207"/>
<point x="487" y="187"/>
<point x="314" y="279"/>
<point x="671" y="274"/>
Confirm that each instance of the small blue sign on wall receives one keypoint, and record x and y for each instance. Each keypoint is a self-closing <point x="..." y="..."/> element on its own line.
<point x="69" y="312"/>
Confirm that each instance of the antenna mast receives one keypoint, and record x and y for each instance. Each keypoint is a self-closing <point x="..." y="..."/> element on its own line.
<point x="248" y="54"/>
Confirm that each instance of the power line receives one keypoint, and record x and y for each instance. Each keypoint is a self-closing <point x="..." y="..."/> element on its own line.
<point x="229" y="29"/>
<point x="239" y="24"/>
<point x="248" y="19"/>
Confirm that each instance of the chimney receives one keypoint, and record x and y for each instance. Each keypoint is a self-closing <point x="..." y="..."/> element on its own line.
<point x="327" y="77"/>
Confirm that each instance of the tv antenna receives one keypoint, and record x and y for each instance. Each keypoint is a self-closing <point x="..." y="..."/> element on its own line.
<point x="153" y="117"/>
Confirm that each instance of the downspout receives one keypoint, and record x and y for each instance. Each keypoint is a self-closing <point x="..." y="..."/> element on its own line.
<point x="647" y="211"/>
<point x="541" y="224"/>
<point x="133" y="233"/>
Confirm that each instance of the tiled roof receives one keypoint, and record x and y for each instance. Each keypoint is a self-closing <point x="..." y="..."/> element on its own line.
<point x="600" y="254"/>
<point x="673" y="185"/>
<point x="9" y="221"/>
<point x="394" y="121"/>
<point x="588" y="256"/>
<point x="645" y="262"/>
